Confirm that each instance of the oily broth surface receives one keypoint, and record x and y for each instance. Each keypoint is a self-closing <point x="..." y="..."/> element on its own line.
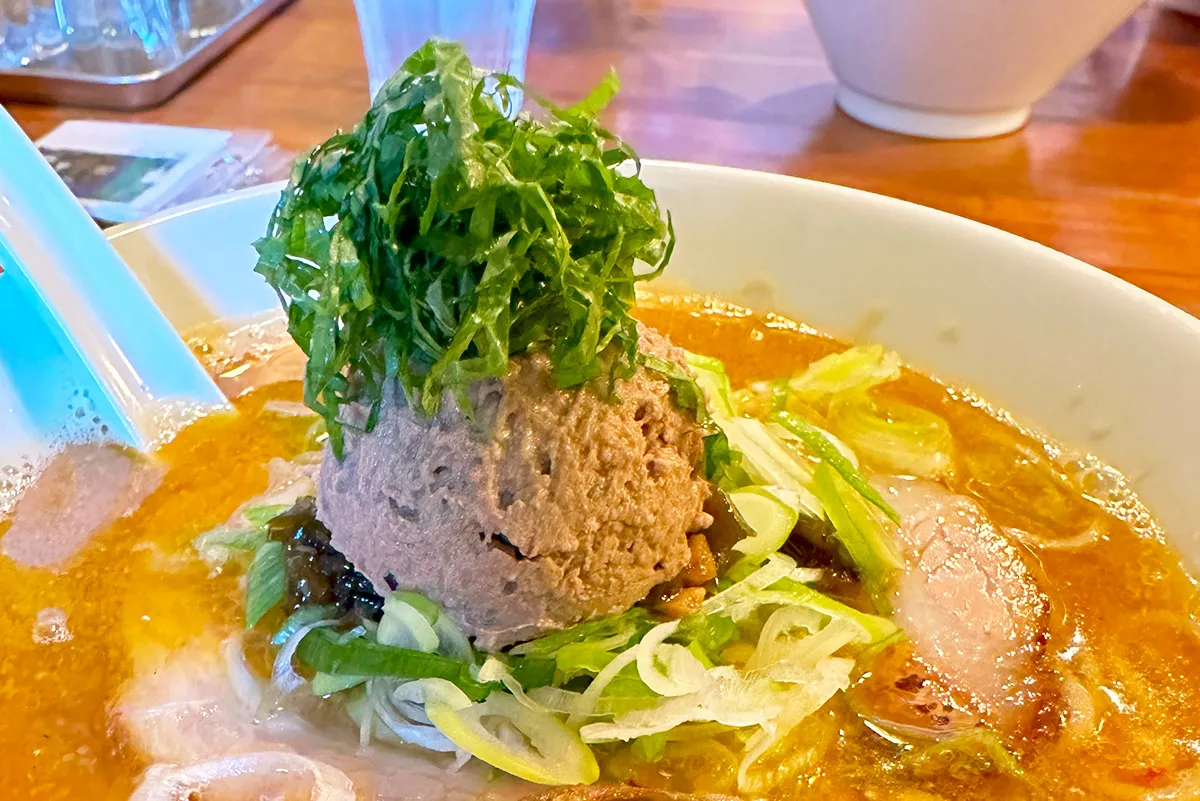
<point x="135" y="593"/>
<point x="1125" y="631"/>
<point x="1126" y="622"/>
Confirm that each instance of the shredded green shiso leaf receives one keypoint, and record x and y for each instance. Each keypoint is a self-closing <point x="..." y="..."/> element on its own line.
<point x="444" y="234"/>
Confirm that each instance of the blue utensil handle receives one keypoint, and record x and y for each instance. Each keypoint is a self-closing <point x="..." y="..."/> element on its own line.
<point x="121" y="338"/>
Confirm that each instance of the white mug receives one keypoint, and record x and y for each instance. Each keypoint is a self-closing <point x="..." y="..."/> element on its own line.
<point x="956" y="69"/>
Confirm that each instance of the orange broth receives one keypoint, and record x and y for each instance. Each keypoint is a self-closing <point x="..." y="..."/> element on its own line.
<point x="1125" y="612"/>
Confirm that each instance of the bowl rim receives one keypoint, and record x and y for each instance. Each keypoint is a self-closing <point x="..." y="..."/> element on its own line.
<point x="1080" y="270"/>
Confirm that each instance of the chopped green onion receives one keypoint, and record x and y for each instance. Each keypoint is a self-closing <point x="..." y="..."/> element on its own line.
<point x="622" y="627"/>
<point x="879" y="628"/>
<point x="428" y="609"/>
<point x="403" y="626"/>
<point x="874" y="558"/>
<point x="545" y="750"/>
<point x="238" y="539"/>
<point x="768" y="513"/>
<point x="322" y="651"/>
<point x="259" y="516"/>
<point x="218" y="545"/>
<point x="712" y="379"/>
<point x="764" y="456"/>
<point x="266" y="582"/>
<point x="451" y="641"/>
<point x="650" y="747"/>
<point x="304" y="616"/>
<point x="532" y="672"/>
<point x="330" y="683"/>
<point x="828" y="453"/>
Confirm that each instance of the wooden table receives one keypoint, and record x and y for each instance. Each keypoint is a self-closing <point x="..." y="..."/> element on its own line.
<point x="1108" y="170"/>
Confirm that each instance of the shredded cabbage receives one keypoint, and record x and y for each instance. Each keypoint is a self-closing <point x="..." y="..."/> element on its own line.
<point x="586" y="658"/>
<point x="707" y="635"/>
<point x="618" y="629"/>
<point x="856" y="369"/>
<point x="897" y="437"/>
<point x="587" y="648"/>
<point x="590" y="699"/>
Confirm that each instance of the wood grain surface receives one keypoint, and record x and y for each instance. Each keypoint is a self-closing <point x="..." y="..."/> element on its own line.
<point x="1108" y="170"/>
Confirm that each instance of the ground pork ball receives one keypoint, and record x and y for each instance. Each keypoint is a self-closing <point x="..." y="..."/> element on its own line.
<point x="549" y="507"/>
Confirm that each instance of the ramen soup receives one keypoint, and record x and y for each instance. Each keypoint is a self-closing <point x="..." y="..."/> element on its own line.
<point x="489" y="522"/>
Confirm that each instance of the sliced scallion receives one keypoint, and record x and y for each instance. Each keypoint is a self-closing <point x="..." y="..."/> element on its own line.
<point x="259" y="516"/>
<point x="861" y="535"/>
<point x="266" y="582"/>
<point x="828" y="453"/>
<point x="323" y="651"/>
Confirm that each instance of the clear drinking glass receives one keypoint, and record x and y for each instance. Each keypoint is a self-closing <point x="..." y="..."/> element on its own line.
<point x="107" y="37"/>
<point x="494" y="32"/>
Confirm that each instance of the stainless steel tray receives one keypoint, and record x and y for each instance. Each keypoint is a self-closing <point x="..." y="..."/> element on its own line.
<point x="128" y="92"/>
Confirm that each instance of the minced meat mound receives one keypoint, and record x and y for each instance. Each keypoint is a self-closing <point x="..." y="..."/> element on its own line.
<point x="546" y="508"/>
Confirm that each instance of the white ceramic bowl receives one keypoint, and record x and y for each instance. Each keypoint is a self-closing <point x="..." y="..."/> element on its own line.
<point x="956" y="69"/>
<point x="1099" y="364"/>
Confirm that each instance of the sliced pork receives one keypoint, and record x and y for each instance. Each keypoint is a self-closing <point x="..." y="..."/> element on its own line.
<point x="969" y="602"/>
<point x="82" y="490"/>
<point x="200" y="720"/>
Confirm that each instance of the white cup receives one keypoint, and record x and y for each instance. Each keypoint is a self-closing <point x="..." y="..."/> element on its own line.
<point x="956" y="69"/>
